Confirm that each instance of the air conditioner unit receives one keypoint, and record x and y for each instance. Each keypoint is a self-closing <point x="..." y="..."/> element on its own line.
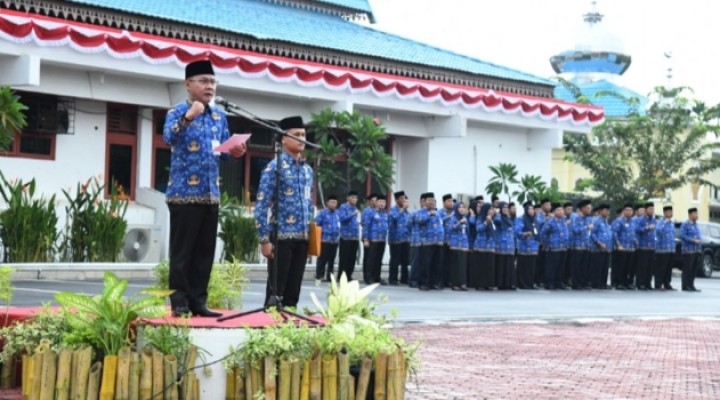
<point x="142" y="244"/>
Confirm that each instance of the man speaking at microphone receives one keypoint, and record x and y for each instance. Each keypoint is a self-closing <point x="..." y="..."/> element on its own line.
<point x="193" y="128"/>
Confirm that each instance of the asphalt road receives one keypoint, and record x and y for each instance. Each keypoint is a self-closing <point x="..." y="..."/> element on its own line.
<point x="412" y="305"/>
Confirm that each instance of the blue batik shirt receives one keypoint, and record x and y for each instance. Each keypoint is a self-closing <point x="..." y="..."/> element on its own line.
<point x="689" y="231"/>
<point x="645" y="229"/>
<point x="601" y="233"/>
<point x="580" y="227"/>
<point x="540" y="219"/>
<point x="486" y="235"/>
<point x="556" y="234"/>
<point x="446" y="215"/>
<point x="399" y="225"/>
<point x="505" y="238"/>
<point x="414" y="229"/>
<point x="295" y="203"/>
<point x="365" y="217"/>
<point x="376" y="227"/>
<point x="624" y="230"/>
<point x="665" y="236"/>
<point x="527" y="245"/>
<point x="194" y="169"/>
<point x="459" y="233"/>
<point x="348" y="222"/>
<point x="431" y="228"/>
<point x="329" y="221"/>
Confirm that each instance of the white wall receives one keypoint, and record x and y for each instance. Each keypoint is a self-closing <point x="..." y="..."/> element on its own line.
<point x="412" y="167"/>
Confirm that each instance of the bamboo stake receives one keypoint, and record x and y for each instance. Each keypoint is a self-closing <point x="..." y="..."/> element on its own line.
<point x="230" y="384"/>
<point x="256" y="378"/>
<point x="171" y="392"/>
<point x="305" y="384"/>
<point x="134" y="383"/>
<point x="190" y="386"/>
<point x="316" y="377"/>
<point x="402" y="374"/>
<point x="285" y="379"/>
<point x="62" y="384"/>
<point x="27" y="369"/>
<point x="196" y="388"/>
<point x="122" y="374"/>
<point x="270" y="381"/>
<point x="49" y="373"/>
<point x="239" y="384"/>
<point x="36" y="376"/>
<point x="392" y="369"/>
<point x="247" y="369"/>
<point x="380" y="376"/>
<point x="107" y="387"/>
<point x="295" y="380"/>
<point x="329" y="377"/>
<point x="157" y="374"/>
<point x="6" y="373"/>
<point x="351" y="395"/>
<point x="343" y="362"/>
<point x="146" y="374"/>
<point x="93" y="382"/>
<point x="82" y="363"/>
<point x="363" y="379"/>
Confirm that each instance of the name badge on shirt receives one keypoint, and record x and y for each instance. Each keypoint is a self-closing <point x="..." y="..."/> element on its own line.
<point x="307" y="192"/>
<point x="213" y="144"/>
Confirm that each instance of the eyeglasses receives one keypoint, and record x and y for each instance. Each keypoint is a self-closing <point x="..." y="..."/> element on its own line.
<point x="206" y="82"/>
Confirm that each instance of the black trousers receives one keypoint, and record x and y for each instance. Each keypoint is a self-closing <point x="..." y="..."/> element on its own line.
<point x="193" y="233"/>
<point x="414" y="265"/>
<point x="599" y="265"/>
<point x="631" y="268"/>
<point x="429" y="259"/>
<point x="540" y="268"/>
<point x="348" y="257"/>
<point x="688" y="272"/>
<point x="644" y="267"/>
<point x="526" y="271"/>
<point x="620" y="275"/>
<point x="554" y="269"/>
<point x="445" y="265"/>
<point x="663" y="270"/>
<point x="579" y="264"/>
<point x="458" y="268"/>
<point x="291" y="258"/>
<point x="505" y="271"/>
<point x="376" y="251"/>
<point x="399" y="257"/>
<point x="326" y="261"/>
<point x="481" y="270"/>
<point x="566" y="273"/>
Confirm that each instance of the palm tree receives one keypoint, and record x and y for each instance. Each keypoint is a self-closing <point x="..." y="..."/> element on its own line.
<point x="530" y="187"/>
<point x="505" y="174"/>
<point x="12" y="118"/>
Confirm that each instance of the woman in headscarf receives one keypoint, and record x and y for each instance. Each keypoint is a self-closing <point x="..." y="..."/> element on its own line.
<point x="504" y="249"/>
<point x="481" y="272"/>
<point x="527" y="233"/>
<point x="459" y="246"/>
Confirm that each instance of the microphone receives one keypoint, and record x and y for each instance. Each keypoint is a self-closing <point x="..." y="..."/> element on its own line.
<point x="221" y="101"/>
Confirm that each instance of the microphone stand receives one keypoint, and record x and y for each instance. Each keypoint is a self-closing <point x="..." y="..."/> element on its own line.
<point x="274" y="300"/>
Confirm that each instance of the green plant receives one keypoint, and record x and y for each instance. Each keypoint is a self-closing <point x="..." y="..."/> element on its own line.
<point x="6" y="288"/>
<point x="529" y="188"/>
<point x="24" y="336"/>
<point x="504" y="175"/>
<point x="237" y="231"/>
<point x="95" y="227"/>
<point x="227" y="281"/>
<point x="168" y="339"/>
<point x="104" y="320"/>
<point x="28" y="224"/>
<point x="12" y="118"/>
<point x="345" y="300"/>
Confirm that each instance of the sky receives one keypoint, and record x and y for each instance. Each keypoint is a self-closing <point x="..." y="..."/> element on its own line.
<point x="524" y="34"/>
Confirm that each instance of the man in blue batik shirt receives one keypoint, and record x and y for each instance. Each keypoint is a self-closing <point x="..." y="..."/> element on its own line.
<point x="415" y="244"/>
<point x="555" y="236"/>
<point x="645" y="229"/>
<point x="193" y="128"/>
<point x="295" y="209"/>
<point x="691" y="248"/>
<point x="432" y="237"/>
<point x="329" y="220"/>
<point x="365" y="219"/>
<point x="664" y="250"/>
<point x="624" y="231"/>
<point x="581" y="227"/>
<point x="601" y="244"/>
<point x="399" y="239"/>
<point x="375" y="233"/>
<point x="349" y="235"/>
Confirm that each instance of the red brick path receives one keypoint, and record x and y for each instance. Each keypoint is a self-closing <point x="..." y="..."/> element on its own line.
<point x="667" y="359"/>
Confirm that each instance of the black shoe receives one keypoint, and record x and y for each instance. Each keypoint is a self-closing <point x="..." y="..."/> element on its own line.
<point x="641" y="287"/>
<point x="382" y="282"/>
<point x="686" y="289"/>
<point x="669" y="287"/>
<point x="413" y="286"/>
<point x="181" y="311"/>
<point x="438" y="287"/>
<point x="620" y="287"/>
<point x="424" y="288"/>
<point x="630" y="287"/>
<point x="694" y="289"/>
<point x="203" y="311"/>
<point x="391" y="283"/>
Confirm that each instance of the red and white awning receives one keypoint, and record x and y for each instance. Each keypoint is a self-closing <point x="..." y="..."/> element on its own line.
<point x="43" y="31"/>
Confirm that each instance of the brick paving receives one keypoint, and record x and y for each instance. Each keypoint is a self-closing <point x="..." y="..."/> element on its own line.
<point x="658" y="359"/>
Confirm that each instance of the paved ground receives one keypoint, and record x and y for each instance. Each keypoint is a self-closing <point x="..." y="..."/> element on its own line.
<point x="662" y="359"/>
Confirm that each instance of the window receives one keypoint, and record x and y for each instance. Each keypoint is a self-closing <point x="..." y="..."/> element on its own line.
<point x="37" y="139"/>
<point x="121" y="150"/>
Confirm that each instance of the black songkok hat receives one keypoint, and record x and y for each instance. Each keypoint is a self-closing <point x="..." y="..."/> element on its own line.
<point x="628" y="205"/>
<point x="511" y="204"/>
<point x="352" y="193"/>
<point x="447" y="196"/>
<point x="399" y="194"/>
<point x="543" y="201"/>
<point x="692" y="210"/>
<point x="428" y="195"/>
<point x="554" y="207"/>
<point x="371" y="196"/>
<point x="567" y="204"/>
<point x="649" y="204"/>
<point x="479" y="198"/>
<point x="493" y="198"/>
<point x="603" y="206"/>
<point x="331" y="197"/>
<point x="638" y="206"/>
<point x="538" y="205"/>
<point x="202" y="67"/>
<point x="667" y="208"/>
<point x="292" y="123"/>
<point x="583" y="203"/>
<point x="527" y="204"/>
<point x="619" y="210"/>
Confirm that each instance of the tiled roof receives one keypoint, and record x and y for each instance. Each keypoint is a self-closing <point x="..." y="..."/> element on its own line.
<point x="614" y="106"/>
<point x="359" y="5"/>
<point x="266" y="21"/>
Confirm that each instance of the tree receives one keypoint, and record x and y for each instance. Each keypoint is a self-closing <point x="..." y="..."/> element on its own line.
<point x="363" y="148"/>
<point x="12" y="118"/>
<point x="530" y="188"/>
<point x="504" y="174"/>
<point x="645" y="156"/>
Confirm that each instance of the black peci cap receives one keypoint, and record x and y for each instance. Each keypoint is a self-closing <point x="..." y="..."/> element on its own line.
<point x="292" y="123"/>
<point x="447" y="197"/>
<point x="203" y="67"/>
<point x="667" y="208"/>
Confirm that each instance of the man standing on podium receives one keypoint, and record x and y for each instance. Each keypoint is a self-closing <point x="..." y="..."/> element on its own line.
<point x="295" y="210"/>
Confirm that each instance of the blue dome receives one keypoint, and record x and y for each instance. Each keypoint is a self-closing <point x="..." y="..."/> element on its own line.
<point x="590" y="61"/>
